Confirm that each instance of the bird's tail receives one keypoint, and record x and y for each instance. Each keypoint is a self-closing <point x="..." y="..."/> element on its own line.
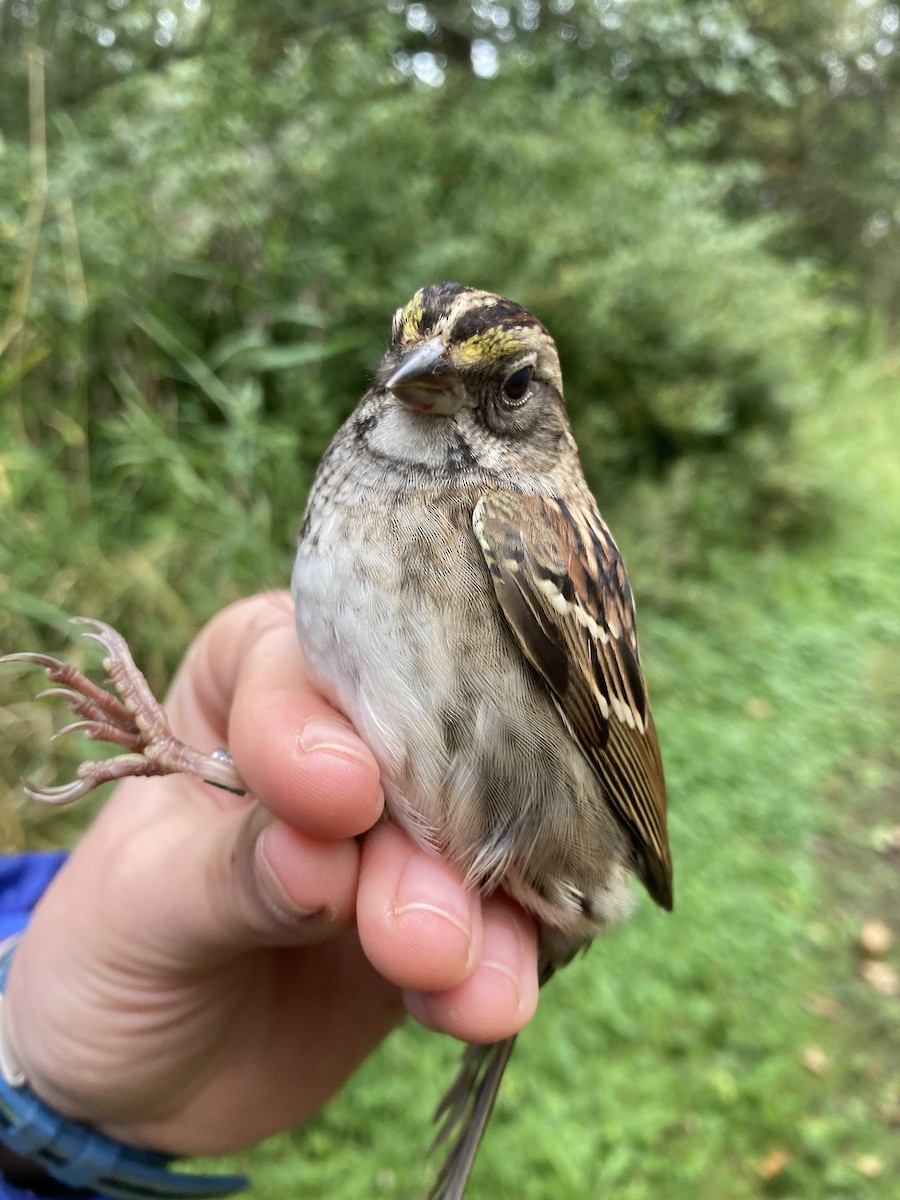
<point x="464" y="1112"/>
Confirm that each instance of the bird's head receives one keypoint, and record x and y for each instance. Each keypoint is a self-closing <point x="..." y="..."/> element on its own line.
<point x="466" y="366"/>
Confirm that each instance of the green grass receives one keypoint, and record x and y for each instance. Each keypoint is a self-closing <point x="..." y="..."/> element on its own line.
<point x="668" y="1061"/>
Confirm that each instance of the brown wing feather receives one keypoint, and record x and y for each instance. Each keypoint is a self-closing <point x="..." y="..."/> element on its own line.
<point x="562" y="587"/>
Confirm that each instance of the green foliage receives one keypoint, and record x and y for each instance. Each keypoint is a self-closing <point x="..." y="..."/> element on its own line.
<point x="805" y="92"/>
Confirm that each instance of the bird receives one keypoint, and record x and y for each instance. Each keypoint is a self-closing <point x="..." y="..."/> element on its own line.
<point x="459" y="597"/>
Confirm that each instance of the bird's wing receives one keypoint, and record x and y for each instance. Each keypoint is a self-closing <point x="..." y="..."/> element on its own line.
<point x="562" y="587"/>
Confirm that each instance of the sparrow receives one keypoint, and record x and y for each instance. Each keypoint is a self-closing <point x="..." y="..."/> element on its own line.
<point x="461" y="600"/>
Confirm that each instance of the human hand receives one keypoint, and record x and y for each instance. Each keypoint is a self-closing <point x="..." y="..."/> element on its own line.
<point x="207" y="969"/>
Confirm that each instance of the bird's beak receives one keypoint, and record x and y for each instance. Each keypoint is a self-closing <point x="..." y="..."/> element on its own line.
<point x="425" y="382"/>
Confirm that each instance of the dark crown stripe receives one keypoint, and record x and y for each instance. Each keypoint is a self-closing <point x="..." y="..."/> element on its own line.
<point x="481" y="316"/>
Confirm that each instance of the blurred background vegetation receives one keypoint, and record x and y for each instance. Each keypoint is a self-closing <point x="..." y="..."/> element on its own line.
<point x="208" y="213"/>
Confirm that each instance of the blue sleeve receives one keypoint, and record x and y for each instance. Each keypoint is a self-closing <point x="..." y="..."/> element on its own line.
<point x="23" y="880"/>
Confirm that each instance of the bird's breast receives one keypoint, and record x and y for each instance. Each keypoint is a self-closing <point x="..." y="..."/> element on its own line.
<point x="401" y="630"/>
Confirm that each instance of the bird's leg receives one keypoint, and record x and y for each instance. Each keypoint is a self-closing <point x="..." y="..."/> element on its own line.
<point x="129" y="716"/>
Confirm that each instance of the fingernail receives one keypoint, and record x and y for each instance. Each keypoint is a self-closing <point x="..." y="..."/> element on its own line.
<point x="323" y="735"/>
<point x="503" y="947"/>
<point x="416" y="894"/>
<point x="510" y="976"/>
<point x="274" y="842"/>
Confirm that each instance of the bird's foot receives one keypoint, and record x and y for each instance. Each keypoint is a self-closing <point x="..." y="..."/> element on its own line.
<point x="129" y="716"/>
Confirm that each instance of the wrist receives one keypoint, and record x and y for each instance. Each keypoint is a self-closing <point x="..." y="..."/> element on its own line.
<point x="36" y="1048"/>
<point x="77" y="1155"/>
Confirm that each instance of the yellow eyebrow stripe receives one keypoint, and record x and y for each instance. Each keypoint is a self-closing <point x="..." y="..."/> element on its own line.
<point x="411" y="321"/>
<point x="487" y="347"/>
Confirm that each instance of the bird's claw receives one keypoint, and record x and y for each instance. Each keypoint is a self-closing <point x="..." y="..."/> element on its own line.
<point x="129" y="716"/>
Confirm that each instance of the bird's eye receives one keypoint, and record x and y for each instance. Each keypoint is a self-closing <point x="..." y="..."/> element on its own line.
<point x="516" y="385"/>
